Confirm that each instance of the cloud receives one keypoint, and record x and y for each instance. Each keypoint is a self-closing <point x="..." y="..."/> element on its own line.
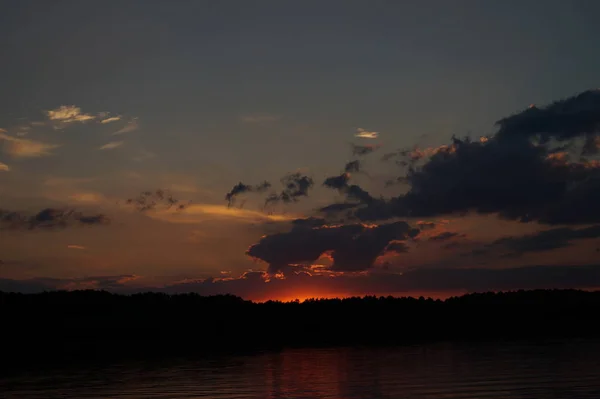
<point x="4" y="167"/>
<point x="79" y="247"/>
<point x="445" y="235"/>
<point x="515" y="179"/>
<point x="352" y="167"/>
<point x="423" y="225"/>
<point x="111" y="145"/>
<point x="259" y="118"/>
<point x="24" y="148"/>
<point x="337" y="182"/>
<point x="68" y="114"/>
<point x="48" y="219"/>
<point x="242" y="188"/>
<point x="361" y="150"/>
<point x="531" y="170"/>
<point x="131" y="126"/>
<point x="352" y="192"/>
<point x="296" y="185"/>
<point x="111" y="119"/>
<point x="562" y="120"/>
<point x="309" y="222"/>
<point x="198" y="213"/>
<point x="545" y="240"/>
<point x="353" y="247"/>
<point x="336" y="208"/>
<point x="156" y="200"/>
<point x="398" y="247"/>
<point x="365" y="134"/>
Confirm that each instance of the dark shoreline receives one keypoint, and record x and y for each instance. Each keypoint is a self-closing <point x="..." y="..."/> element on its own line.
<point x="80" y="326"/>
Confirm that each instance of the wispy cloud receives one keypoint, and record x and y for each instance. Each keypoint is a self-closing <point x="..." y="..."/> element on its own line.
<point x="196" y="213"/>
<point x="4" y="167"/>
<point x="259" y="118"/>
<point x="111" y="145"/>
<point x="68" y="114"/>
<point x="69" y="190"/>
<point x="80" y="247"/>
<point x="24" y="148"/>
<point x="131" y="126"/>
<point x="365" y="134"/>
<point x="111" y="119"/>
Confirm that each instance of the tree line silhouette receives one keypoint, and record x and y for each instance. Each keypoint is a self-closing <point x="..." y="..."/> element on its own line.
<point x="98" y="322"/>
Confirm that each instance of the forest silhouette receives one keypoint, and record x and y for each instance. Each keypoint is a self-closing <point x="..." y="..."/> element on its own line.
<point x="85" y="324"/>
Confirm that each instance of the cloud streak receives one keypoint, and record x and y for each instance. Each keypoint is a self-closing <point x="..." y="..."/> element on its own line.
<point x="198" y="213"/>
<point x="112" y="145"/>
<point x="131" y="126"/>
<point x="110" y="119"/>
<point x="365" y="134"/>
<point x="25" y="148"/>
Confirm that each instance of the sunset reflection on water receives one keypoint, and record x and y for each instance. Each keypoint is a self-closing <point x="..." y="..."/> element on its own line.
<point x="557" y="370"/>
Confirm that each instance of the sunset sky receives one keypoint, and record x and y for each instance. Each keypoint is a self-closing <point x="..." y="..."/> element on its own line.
<point x="205" y="101"/>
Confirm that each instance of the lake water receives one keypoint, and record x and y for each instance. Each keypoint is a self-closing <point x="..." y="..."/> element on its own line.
<point x="552" y="370"/>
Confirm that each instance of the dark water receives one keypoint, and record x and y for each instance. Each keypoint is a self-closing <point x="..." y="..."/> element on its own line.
<point x="551" y="370"/>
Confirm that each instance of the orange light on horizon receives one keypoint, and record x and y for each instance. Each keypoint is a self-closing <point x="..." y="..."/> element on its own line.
<point x="301" y="297"/>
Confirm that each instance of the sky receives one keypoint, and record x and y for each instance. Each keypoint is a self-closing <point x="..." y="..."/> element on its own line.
<point x="281" y="150"/>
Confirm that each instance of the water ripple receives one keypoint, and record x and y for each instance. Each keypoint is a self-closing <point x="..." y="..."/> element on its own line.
<point x="560" y="370"/>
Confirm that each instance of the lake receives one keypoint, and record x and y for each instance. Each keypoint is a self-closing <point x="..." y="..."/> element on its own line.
<point x="449" y="371"/>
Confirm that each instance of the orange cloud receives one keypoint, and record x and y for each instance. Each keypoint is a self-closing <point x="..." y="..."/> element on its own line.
<point x="68" y="114"/>
<point x="111" y="119"/>
<point x="365" y="134"/>
<point x="24" y="148"/>
<point x="111" y="145"/>
<point x="196" y="213"/>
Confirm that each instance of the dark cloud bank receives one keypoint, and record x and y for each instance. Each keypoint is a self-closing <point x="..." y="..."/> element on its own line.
<point x="539" y="167"/>
<point x="49" y="219"/>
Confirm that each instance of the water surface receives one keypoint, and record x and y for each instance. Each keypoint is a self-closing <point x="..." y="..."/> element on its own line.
<point x="443" y="371"/>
